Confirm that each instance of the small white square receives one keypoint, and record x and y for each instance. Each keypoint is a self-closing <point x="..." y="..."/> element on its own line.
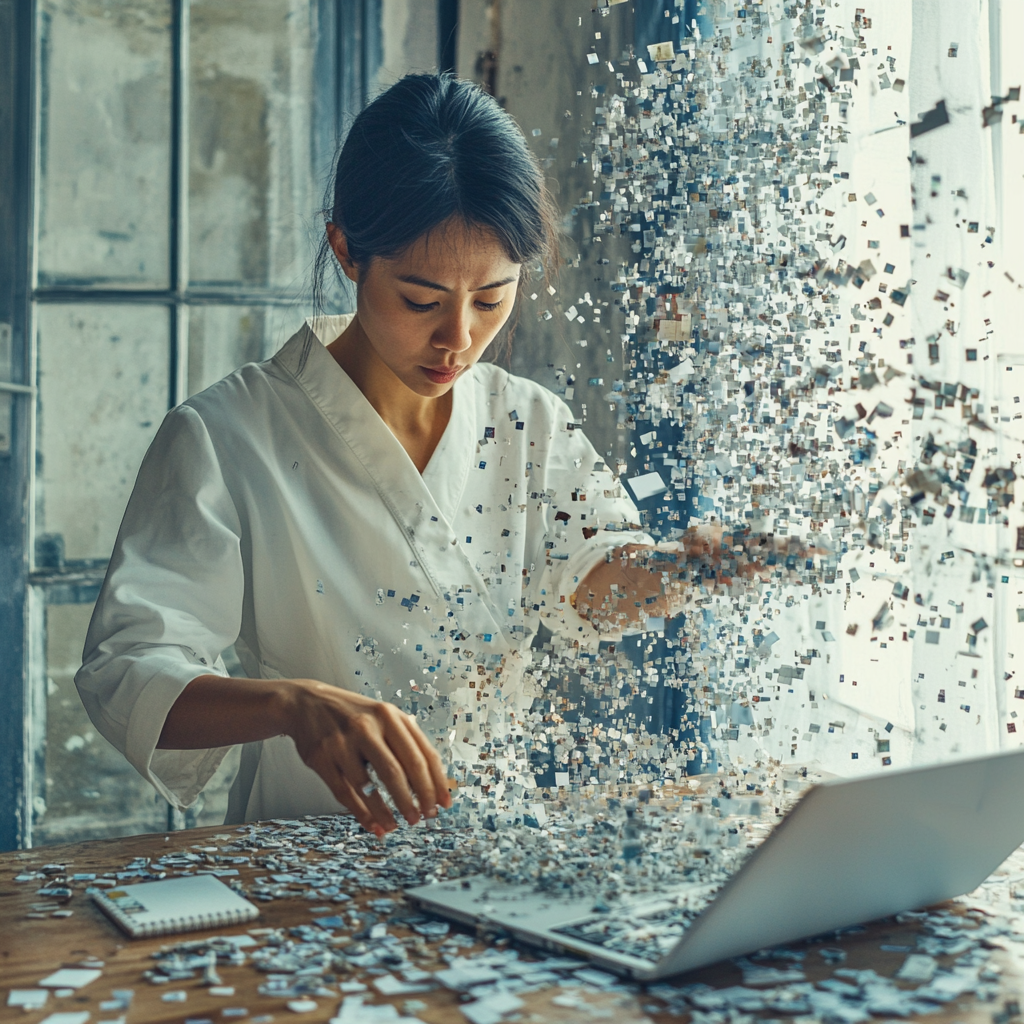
<point x="67" y="1017"/>
<point x="28" y="998"/>
<point x="646" y="485"/>
<point x="70" y="977"/>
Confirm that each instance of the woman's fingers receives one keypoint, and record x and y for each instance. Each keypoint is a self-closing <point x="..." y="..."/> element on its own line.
<point x="434" y="763"/>
<point x="346" y="793"/>
<point x="347" y="778"/>
<point x="393" y="777"/>
<point x="377" y="818"/>
<point x="354" y="769"/>
<point x="381" y="811"/>
<point x="413" y="764"/>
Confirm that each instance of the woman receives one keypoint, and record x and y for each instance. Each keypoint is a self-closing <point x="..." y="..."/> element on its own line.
<point x="374" y="518"/>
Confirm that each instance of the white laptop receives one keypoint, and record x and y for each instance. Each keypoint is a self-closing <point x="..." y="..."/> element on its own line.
<point x="851" y="850"/>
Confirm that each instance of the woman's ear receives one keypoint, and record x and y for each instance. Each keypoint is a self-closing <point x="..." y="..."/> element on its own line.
<point x="339" y="246"/>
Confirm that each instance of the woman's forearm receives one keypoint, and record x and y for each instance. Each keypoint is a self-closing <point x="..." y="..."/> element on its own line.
<point x="219" y="711"/>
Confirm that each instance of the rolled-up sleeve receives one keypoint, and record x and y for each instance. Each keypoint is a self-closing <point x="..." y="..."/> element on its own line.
<point x="170" y="605"/>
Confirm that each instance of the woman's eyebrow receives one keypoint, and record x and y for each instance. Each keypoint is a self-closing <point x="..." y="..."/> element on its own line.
<point x="424" y="283"/>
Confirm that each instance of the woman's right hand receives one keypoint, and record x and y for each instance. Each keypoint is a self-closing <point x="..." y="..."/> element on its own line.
<point x="339" y="733"/>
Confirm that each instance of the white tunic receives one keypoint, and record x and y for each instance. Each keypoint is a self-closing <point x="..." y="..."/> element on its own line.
<point x="276" y="511"/>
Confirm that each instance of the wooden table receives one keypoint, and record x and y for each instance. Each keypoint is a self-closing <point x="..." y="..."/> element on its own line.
<point x="32" y="949"/>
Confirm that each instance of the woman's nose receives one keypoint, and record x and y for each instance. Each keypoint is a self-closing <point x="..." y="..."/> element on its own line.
<point x="453" y="333"/>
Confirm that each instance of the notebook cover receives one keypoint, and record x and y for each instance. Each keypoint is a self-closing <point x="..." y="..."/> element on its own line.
<point x="184" y="904"/>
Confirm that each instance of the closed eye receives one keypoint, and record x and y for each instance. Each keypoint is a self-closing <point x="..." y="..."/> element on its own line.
<point x="426" y="307"/>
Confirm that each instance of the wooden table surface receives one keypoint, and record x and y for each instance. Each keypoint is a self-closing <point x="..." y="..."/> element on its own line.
<point x="31" y="949"/>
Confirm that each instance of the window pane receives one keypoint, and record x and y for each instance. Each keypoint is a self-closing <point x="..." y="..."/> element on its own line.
<point x="92" y="792"/>
<point x="222" y="338"/>
<point x="104" y="380"/>
<point x="251" y="188"/>
<point x="105" y="152"/>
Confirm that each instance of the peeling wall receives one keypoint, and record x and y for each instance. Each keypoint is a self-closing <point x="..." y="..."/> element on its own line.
<point x="409" y="34"/>
<point x="533" y="53"/>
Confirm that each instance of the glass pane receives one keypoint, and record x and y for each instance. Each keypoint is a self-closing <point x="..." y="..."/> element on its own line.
<point x="222" y="338"/>
<point x="105" y="154"/>
<point x="92" y="792"/>
<point x="104" y="380"/>
<point x="251" y="189"/>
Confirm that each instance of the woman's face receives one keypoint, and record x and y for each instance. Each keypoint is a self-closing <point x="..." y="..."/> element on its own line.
<point x="430" y="314"/>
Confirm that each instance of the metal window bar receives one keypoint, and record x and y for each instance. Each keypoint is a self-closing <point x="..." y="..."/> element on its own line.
<point x="447" y="34"/>
<point x="179" y="240"/>
<point x="199" y="296"/>
<point x="18" y="763"/>
<point x="357" y="56"/>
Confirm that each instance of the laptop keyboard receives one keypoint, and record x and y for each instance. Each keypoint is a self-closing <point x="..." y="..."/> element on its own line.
<point x="647" y="934"/>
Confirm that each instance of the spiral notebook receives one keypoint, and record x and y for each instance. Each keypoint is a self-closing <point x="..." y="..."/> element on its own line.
<point x="183" y="904"/>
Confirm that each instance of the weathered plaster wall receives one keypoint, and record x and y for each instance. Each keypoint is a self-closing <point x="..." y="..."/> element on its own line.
<point x="532" y="53"/>
<point x="409" y="35"/>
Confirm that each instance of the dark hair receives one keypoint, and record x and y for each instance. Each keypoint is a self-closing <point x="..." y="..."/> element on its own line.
<point x="430" y="148"/>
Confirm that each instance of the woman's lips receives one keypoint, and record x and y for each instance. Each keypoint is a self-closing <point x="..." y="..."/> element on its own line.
<point x="442" y="376"/>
